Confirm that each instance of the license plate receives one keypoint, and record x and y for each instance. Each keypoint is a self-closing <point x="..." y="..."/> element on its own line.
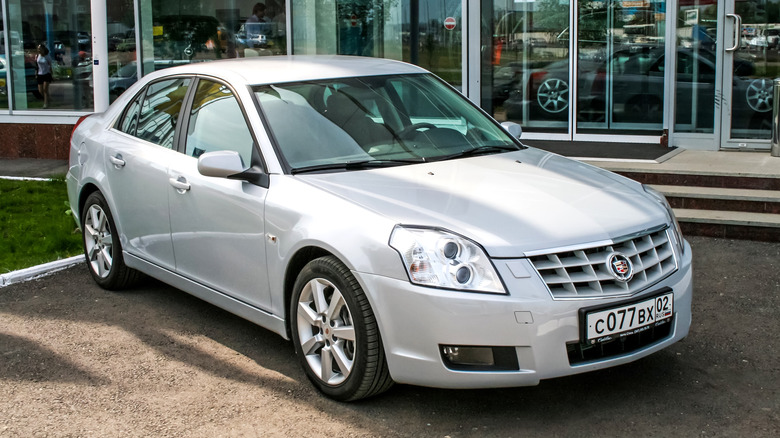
<point x="607" y="324"/>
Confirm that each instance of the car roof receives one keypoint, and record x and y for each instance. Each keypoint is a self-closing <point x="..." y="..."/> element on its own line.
<point x="294" y="68"/>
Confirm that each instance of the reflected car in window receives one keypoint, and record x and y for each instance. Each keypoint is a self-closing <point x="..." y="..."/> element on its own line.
<point x="636" y="77"/>
<point x="368" y="212"/>
<point x="123" y="78"/>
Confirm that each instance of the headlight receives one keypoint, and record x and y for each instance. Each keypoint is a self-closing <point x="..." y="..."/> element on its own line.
<point x="437" y="258"/>
<point x="675" y="225"/>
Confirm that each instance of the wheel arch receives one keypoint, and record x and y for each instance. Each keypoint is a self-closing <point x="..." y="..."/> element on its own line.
<point x="87" y="190"/>
<point x="294" y="267"/>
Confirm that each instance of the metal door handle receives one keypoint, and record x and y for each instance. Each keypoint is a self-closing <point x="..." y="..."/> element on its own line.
<point x="180" y="184"/>
<point x="117" y="161"/>
<point x="737" y="32"/>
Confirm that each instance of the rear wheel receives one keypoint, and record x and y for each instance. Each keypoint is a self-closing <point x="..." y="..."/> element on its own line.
<point x="102" y="248"/>
<point x="335" y="332"/>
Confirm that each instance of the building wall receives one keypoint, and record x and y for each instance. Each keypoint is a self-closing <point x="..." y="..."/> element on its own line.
<point x="29" y="140"/>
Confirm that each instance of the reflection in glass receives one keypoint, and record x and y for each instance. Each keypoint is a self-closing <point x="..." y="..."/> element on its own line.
<point x="160" y="111"/>
<point x="695" y="79"/>
<point x="3" y="68"/>
<point x="528" y="47"/>
<point x="185" y="31"/>
<point x="215" y="116"/>
<point x="375" y="121"/>
<point x="122" y="54"/>
<point x="755" y="63"/>
<point x="423" y="32"/>
<point x="64" y="29"/>
<point x="620" y="78"/>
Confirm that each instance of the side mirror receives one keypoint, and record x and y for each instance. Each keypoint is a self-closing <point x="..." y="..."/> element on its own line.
<point x="513" y="129"/>
<point x="220" y="164"/>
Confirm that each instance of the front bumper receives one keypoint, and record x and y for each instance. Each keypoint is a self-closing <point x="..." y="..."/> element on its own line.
<point x="415" y="321"/>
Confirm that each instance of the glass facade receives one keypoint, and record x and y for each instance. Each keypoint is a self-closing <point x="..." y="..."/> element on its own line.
<point x="620" y="75"/>
<point x="753" y="64"/>
<point x="526" y="67"/>
<point x="122" y="61"/>
<point x="184" y="31"/>
<point x="423" y="32"/>
<point x="46" y="55"/>
<point x="564" y="69"/>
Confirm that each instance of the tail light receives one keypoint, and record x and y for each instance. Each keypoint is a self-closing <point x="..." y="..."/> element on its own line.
<point x="78" y="122"/>
<point x="537" y="76"/>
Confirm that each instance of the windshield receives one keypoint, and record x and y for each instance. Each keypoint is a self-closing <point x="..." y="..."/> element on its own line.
<point x="345" y="123"/>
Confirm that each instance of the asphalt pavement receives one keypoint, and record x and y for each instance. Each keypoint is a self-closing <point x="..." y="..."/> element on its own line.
<point x="154" y="361"/>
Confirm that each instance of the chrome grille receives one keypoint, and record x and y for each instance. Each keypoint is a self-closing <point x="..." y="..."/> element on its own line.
<point x="583" y="273"/>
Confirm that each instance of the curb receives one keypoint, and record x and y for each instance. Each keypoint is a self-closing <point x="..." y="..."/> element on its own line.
<point x="24" y="178"/>
<point x="34" y="272"/>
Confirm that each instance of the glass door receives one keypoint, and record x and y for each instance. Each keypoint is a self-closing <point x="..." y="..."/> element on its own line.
<point x="751" y="54"/>
<point x="696" y="70"/>
<point x="621" y="67"/>
<point x="614" y="83"/>
<point x="525" y="63"/>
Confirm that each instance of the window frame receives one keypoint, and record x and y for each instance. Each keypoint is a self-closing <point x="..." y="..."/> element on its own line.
<point x="142" y="94"/>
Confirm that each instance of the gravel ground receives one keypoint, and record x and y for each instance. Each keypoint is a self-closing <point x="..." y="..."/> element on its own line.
<point x="154" y="361"/>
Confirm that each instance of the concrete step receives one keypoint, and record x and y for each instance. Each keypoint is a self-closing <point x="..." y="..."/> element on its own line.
<point x="727" y="199"/>
<point x="729" y="224"/>
<point x="704" y="180"/>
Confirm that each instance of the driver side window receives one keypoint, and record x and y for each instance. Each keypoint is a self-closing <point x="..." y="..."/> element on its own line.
<point x="217" y="123"/>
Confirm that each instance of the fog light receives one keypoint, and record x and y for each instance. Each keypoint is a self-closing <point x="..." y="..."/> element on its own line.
<point x="474" y="356"/>
<point x="471" y="358"/>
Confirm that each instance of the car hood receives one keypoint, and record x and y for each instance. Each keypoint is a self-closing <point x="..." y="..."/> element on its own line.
<point x="511" y="204"/>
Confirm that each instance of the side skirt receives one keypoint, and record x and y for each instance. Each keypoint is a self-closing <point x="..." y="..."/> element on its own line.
<point x="232" y="305"/>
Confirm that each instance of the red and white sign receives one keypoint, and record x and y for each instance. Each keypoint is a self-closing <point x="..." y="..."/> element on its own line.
<point x="353" y="21"/>
<point x="449" y="23"/>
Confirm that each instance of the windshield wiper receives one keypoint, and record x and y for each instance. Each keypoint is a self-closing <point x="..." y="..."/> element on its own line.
<point x="481" y="150"/>
<point x="357" y="165"/>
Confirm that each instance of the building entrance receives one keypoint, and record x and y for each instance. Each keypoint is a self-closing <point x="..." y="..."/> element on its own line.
<point x="693" y="72"/>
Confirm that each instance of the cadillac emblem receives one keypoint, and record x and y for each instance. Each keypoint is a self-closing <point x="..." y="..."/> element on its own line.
<point x="620" y="267"/>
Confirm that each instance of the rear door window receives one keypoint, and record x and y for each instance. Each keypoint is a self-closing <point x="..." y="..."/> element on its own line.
<point x="159" y="112"/>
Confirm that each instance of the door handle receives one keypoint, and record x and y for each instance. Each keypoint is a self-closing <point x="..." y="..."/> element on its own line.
<point x="737" y="32"/>
<point x="117" y="161"/>
<point x="180" y="184"/>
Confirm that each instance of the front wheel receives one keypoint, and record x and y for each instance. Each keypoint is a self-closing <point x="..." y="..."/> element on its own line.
<point x="335" y="332"/>
<point x="101" y="246"/>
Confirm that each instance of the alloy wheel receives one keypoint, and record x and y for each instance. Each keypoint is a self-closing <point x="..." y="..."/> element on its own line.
<point x="759" y="95"/>
<point x="326" y="331"/>
<point x="553" y="95"/>
<point x="98" y="241"/>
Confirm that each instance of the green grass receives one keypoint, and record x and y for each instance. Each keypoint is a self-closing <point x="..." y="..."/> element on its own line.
<point x="34" y="225"/>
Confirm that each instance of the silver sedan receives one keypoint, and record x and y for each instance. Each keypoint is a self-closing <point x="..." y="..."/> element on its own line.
<point x="373" y="215"/>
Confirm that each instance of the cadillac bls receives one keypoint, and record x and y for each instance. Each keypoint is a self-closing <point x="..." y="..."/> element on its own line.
<point x="367" y="211"/>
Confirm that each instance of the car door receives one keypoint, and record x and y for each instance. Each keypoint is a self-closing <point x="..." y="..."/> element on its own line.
<point x="137" y="154"/>
<point x="217" y="224"/>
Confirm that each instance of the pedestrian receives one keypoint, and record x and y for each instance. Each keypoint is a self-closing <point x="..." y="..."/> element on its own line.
<point x="258" y="14"/>
<point x="43" y="73"/>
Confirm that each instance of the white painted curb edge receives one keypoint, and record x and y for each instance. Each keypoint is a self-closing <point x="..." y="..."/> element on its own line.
<point x="38" y="271"/>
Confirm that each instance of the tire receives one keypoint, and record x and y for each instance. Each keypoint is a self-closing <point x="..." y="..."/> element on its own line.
<point x="343" y="369"/>
<point x="102" y="249"/>
<point x="643" y="109"/>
